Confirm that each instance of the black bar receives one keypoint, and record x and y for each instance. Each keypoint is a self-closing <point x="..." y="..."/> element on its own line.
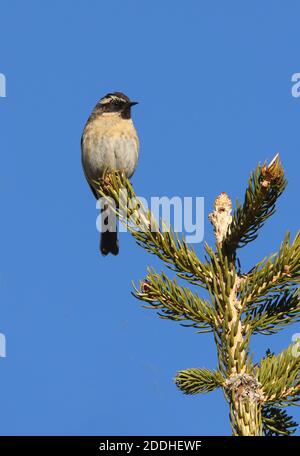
<point x="140" y="445"/>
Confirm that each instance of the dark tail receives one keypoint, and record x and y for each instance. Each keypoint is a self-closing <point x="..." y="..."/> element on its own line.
<point x="109" y="237"/>
<point x="109" y="243"/>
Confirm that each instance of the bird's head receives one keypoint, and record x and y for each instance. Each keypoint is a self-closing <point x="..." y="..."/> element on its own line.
<point x="117" y="103"/>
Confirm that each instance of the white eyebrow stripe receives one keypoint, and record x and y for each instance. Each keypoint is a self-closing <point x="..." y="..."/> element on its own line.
<point x="106" y="100"/>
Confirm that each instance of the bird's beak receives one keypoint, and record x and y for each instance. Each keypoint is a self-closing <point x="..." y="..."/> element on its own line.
<point x="132" y="103"/>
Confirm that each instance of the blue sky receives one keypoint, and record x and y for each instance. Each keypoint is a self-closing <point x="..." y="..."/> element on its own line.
<point x="213" y="79"/>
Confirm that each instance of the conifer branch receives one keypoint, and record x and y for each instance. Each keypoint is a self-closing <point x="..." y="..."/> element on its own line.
<point x="277" y="422"/>
<point x="279" y="376"/>
<point x="274" y="313"/>
<point x="161" y="241"/>
<point x="279" y="271"/>
<point x="174" y="302"/>
<point x="193" y="381"/>
<point x="265" y="186"/>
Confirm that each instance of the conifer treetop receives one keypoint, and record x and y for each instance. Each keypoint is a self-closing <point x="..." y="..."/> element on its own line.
<point x="237" y="305"/>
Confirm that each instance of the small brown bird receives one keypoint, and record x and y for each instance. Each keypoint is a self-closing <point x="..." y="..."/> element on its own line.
<point x="109" y="142"/>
